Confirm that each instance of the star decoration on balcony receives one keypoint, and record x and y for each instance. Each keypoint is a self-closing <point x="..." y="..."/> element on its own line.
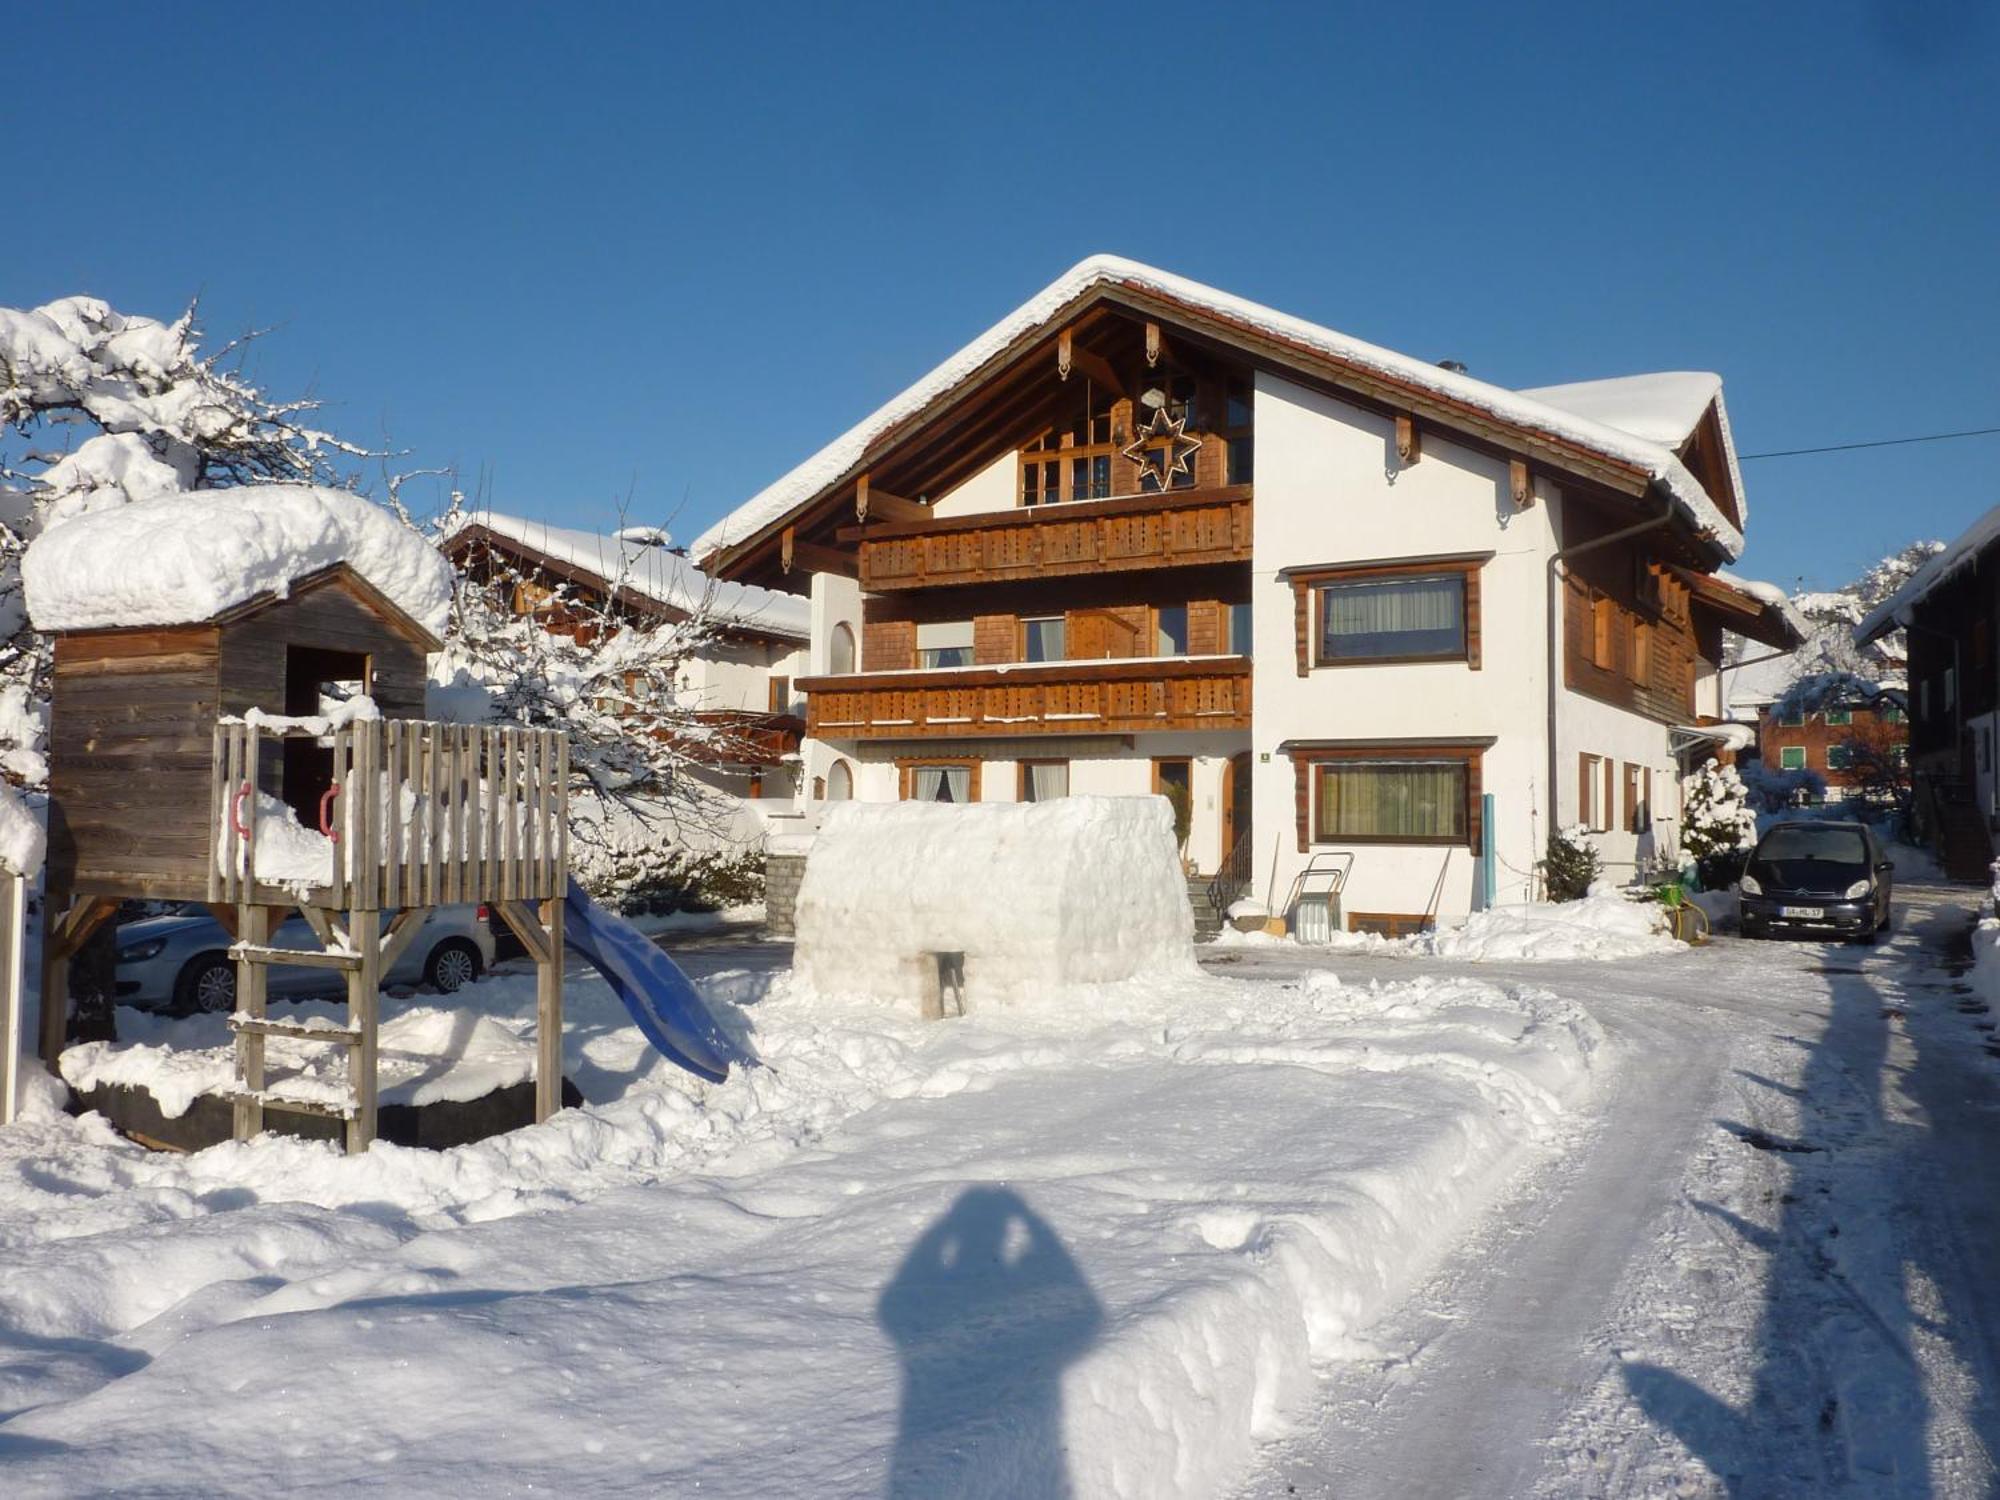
<point x="1163" y="450"/>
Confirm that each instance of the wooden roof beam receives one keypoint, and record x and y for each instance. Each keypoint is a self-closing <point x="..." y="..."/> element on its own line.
<point x="1072" y="357"/>
<point x="871" y="504"/>
<point x="811" y="557"/>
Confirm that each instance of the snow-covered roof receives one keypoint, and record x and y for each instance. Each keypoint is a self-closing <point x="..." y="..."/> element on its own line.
<point x="1664" y="408"/>
<point x="1760" y="682"/>
<point x="1894" y="611"/>
<point x="837" y="459"/>
<point x="635" y="558"/>
<point x="1772" y="597"/>
<point x="180" y="559"/>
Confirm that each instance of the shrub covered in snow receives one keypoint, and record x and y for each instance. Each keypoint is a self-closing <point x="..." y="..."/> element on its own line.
<point x="1039" y="897"/>
<point x="1571" y="866"/>
<point x="1718" y="824"/>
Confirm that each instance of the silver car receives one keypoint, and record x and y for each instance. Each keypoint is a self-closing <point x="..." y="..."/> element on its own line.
<point x="180" y="961"/>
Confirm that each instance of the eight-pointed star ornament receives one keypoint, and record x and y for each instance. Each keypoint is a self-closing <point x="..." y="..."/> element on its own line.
<point x="1162" y="449"/>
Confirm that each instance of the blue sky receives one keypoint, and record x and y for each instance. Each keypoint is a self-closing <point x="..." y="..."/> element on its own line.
<point x="587" y="253"/>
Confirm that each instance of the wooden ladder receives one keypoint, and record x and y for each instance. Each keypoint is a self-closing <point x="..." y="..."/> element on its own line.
<point x="363" y="952"/>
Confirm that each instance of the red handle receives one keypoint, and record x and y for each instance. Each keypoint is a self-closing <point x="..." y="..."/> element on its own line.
<point x="236" y="810"/>
<point x="325" y="803"/>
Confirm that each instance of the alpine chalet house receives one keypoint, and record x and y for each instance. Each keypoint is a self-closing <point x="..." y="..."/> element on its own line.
<point x="1376" y="625"/>
<point x="1950" y="610"/>
<point x="741" y="681"/>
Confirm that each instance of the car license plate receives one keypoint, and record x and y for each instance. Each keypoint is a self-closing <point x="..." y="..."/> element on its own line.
<point x="1802" y="911"/>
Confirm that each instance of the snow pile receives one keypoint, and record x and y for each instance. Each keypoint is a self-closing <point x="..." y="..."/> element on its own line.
<point x="1095" y="1250"/>
<point x="426" y="1055"/>
<point x="22" y="839"/>
<point x="636" y="558"/>
<point x="1601" y="926"/>
<point x="839" y="458"/>
<point x="1962" y="552"/>
<point x="186" y="558"/>
<point x="1039" y="897"/>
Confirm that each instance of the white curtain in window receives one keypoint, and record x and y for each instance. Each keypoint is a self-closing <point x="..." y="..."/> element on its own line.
<point x="1045" y="639"/>
<point x="941" y="784"/>
<point x="1416" y="799"/>
<point x="1048" y="780"/>
<point x="1413" y="614"/>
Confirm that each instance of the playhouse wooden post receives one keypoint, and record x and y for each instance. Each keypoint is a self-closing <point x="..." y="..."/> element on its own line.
<point x="549" y="1014"/>
<point x="364" y="987"/>
<point x="253" y="929"/>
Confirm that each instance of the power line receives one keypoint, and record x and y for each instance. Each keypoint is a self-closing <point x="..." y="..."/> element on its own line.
<point x="1935" y="437"/>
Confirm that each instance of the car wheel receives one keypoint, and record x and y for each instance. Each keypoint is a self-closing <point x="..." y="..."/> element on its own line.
<point x="207" y="983"/>
<point x="1751" y="930"/>
<point x="453" y="965"/>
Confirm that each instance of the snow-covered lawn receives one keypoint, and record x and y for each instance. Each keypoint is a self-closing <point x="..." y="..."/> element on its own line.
<point x="1105" y="1246"/>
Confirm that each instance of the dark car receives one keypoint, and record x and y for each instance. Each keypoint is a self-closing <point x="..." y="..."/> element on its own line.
<point x="1817" y="877"/>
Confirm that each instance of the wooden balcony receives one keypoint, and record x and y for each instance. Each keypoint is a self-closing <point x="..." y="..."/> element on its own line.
<point x="1182" y="528"/>
<point x="1064" y="697"/>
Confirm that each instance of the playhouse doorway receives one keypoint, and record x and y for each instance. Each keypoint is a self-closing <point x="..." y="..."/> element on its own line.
<point x="317" y="681"/>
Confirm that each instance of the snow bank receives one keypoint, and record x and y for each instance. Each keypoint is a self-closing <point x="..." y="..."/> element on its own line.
<point x="1605" y="925"/>
<point x="184" y="558"/>
<point x="1096" y="1250"/>
<point x="838" y="458"/>
<point x="1597" y="927"/>
<point x="1039" y="897"/>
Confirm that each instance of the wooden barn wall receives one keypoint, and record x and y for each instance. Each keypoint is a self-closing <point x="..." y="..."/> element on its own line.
<point x="130" y="733"/>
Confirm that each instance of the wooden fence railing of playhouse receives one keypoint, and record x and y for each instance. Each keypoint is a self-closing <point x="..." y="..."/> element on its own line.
<point x="415" y="815"/>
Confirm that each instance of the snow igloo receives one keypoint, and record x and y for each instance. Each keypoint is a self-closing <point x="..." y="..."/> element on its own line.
<point x="996" y="904"/>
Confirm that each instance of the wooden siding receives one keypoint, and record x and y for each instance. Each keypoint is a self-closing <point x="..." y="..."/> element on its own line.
<point x="1648" y="645"/>
<point x="129" y="737"/>
<point x="1075" y="697"/>
<point x="1184" y="528"/>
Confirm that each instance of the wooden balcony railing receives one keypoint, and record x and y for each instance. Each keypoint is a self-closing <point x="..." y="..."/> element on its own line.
<point x="1065" y="697"/>
<point x="1178" y="529"/>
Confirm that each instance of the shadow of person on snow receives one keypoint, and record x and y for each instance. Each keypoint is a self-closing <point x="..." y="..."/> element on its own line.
<point x="987" y="1310"/>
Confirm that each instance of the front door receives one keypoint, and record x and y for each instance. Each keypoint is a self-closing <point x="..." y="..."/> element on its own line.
<point x="1235" y="805"/>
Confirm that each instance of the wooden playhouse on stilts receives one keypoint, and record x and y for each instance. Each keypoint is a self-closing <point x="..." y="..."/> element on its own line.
<point x="274" y="755"/>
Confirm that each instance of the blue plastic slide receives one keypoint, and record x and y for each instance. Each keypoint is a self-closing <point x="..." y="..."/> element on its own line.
<point x="663" y="1000"/>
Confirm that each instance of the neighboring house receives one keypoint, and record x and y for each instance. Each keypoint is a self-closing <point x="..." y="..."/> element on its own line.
<point x="1794" y="737"/>
<point x="1950" y="610"/>
<point x="1361" y="612"/>
<point x="742" y="680"/>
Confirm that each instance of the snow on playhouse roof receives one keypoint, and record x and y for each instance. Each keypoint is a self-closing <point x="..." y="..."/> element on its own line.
<point x="181" y="559"/>
<point x="643" y="565"/>
<point x="838" y="459"/>
<point x="1894" y="611"/>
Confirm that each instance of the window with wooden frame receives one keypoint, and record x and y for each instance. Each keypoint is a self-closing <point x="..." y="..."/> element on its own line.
<point x="1170" y="630"/>
<point x="1184" y="404"/>
<point x="780" y="698"/>
<point x="945" y="643"/>
<point x="1642" y="652"/>
<point x="1237" y="620"/>
<point x="1388" y="794"/>
<point x="953" y="779"/>
<point x="1043" y="780"/>
<point x="1638" y="796"/>
<point x="1378" y="614"/>
<point x="1072" y="462"/>
<point x="1045" y="638"/>
<point x="1596" y="792"/>
<point x="1792" y="758"/>
<point x="1239" y="409"/>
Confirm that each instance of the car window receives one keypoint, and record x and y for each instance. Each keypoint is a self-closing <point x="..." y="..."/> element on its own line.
<point x="1839" y="846"/>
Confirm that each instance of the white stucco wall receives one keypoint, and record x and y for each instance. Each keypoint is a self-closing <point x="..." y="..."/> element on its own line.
<point x="992" y="488"/>
<point x="1330" y="489"/>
